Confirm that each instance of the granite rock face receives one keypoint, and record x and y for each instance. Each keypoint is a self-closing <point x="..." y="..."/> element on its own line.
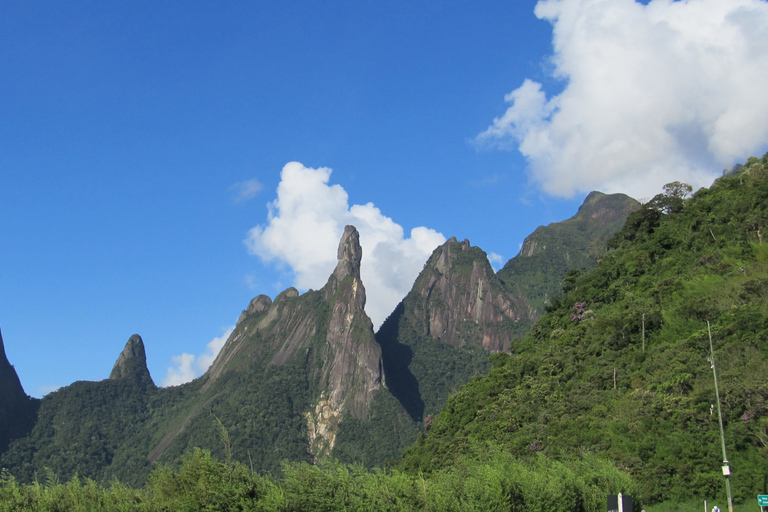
<point x="11" y="391"/>
<point x="329" y="330"/>
<point x="440" y="335"/>
<point x="352" y="367"/>
<point x="132" y="362"/>
<point x="457" y="299"/>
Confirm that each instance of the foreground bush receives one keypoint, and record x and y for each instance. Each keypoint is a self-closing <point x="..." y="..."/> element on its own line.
<point x="496" y="482"/>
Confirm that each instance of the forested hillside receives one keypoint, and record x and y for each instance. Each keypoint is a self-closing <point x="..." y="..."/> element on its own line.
<point x="619" y="366"/>
<point x="548" y="253"/>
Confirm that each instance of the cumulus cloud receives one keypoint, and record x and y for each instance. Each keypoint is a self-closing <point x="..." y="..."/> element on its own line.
<point x="306" y="221"/>
<point x="246" y="190"/>
<point x="671" y="90"/>
<point x="495" y="260"/>
<point x="187" y="367"/>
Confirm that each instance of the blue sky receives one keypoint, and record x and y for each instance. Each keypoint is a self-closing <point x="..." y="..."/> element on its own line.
<point x="140" y="145"/>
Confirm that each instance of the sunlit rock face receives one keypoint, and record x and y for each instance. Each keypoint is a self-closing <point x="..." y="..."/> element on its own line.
<point x="330" y="329"/>
<point x="132" y="362"/>
<point x="460" y="301"/>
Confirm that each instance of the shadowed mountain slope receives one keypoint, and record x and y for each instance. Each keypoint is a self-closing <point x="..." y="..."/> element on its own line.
<point x="440" y="335"/>
<point x="16" y="408"/>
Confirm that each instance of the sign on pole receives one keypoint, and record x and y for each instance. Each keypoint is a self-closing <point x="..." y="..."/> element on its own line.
<point x="620" y="503"/>
<point x="762" y="500"/>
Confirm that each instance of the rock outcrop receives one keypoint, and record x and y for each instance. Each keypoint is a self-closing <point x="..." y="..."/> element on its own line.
<point x="12" y="394"/>
<point x="441" y="334"/>
<point x="11" y="391"/>
<point x="352" y="364"/>
<point x="329" y="331"/>
<point x="458" y="299"/>
<point x="132" y="362"/>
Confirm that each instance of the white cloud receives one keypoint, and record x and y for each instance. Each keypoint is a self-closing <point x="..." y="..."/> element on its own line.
<point x="304" y="226"/>
<point x="183" y="372"/>
<point x="671" y="90"/>
<point x="495" y="260"/>
<point x="187" y="366"/>
<point x="246" y="190"/>
<point x="44" y="390"/>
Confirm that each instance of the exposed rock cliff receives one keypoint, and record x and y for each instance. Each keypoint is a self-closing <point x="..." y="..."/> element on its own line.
<point x="351" y="369"/>
<point x="132" y="362"/>
<point x="11" y="391"/>
<point x="326" y="333"/>
<point x="458" y="299"/>
<point x="441" y="334"/>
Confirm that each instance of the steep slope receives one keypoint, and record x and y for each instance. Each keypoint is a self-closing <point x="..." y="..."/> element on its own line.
<point x="291" y="373"/>
<point x="548" y="253"/>
<point x="620" y="365"/>
<point x="441" y="333"/>
<point x="16" y="408"/>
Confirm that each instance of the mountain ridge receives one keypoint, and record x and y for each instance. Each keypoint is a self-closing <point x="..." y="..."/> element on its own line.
<point x="301" y="378"/>
<point x="620" y="366"/>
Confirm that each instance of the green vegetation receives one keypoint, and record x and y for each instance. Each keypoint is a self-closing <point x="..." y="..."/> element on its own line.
<point x="495" y="482"/>
<point x="551" y="251"/>
<point x="423" y="368"/>
<point x="610" y="391"/>
<point x="619" y="366"/>
<point x="87" y="428"/>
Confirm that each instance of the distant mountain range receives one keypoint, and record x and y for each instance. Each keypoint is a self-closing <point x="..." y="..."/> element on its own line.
<point x="305" y="377"/>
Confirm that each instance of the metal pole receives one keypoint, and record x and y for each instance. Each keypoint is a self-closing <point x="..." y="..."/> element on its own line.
<point x="726" y="467"/>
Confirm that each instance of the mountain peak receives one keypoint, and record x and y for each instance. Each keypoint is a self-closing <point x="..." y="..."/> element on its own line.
<point x="349" y="254"/>
<point x="132" y="361"/>
<point x="458" y="292"/>
<point x="604" y="209"/>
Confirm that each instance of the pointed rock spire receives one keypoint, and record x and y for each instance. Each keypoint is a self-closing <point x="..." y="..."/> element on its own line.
<point x="350" y="254"/>
<point x="132" y="361"/>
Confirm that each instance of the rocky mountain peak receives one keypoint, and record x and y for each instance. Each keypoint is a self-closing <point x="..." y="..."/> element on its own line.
<point x="257" y="305"/>
<point x="132" y="361"/>
<point x="599" y="208"/>
<point x="458" y="293"/>
<point x="328" y="332"/>
<point x="548" y="253"/>
<point x="3" y="357"/>
<point x="349" y="254"/>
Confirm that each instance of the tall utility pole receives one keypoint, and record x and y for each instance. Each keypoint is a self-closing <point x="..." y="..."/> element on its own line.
<point x="726" y="467"/>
